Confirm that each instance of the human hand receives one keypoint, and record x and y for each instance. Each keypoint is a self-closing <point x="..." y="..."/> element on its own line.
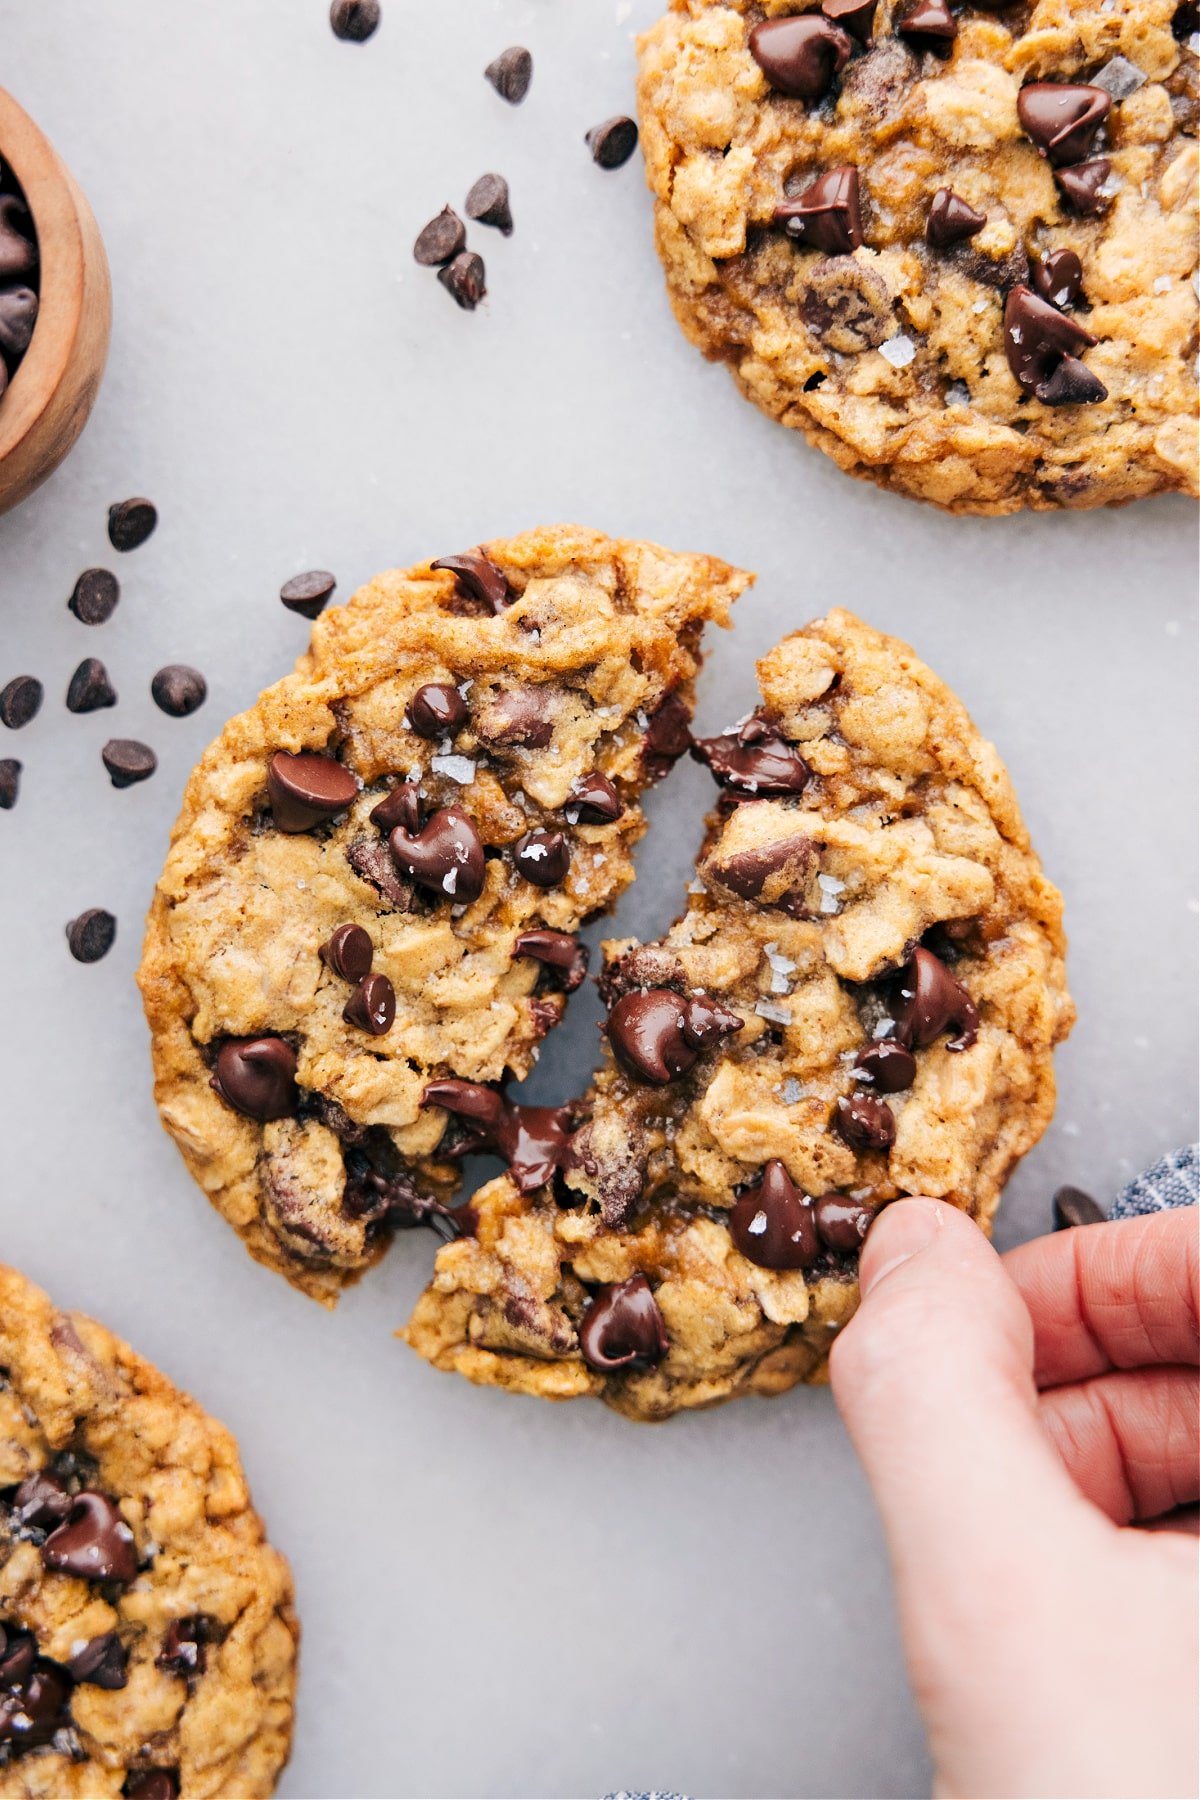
<point x="1014" y="1417"/>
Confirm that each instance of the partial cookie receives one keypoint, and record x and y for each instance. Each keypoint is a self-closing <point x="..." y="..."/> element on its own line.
<point x="379" y="870"/>
<point x="147" y="1634"/>
<point x="860" y="1002"/>
<point x="957" y="249"/>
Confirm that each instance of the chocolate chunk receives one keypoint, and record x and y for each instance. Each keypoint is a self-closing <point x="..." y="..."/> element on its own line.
<point x="308" y="594"/>
<point x="613" y="142"/>
<point x="1081" y="185"/>
<point x="90" y="689"/>
<point x="18" y="316"/>
<point x="593" y="800"/>
<point x="128" y="761"/>
<point x="354" y="21"/>
<point x="130" y="523"/>
<point x="18" y="1653"/>
<point x="372" y="863"/>
<point x="557" y="951"/>
<point x="488" y="202"/>
<point x="511" y="73"/>
<point x="1037" y="336"/>
<point x="1062" y="118"/>
<point x="348" y="952"/>
<point x="827" y="216"/>
<point x="772" y="1224"/>
<point x="306" y="789"/>
<point x="950" y="219"/>
<point x="184" y="1647"/>
<point x="842" y="1223"/>
<point x="36" y="1709"/>
<point x="623" y="1325"/>
<point x="657" y="1035"/>
<point x="1073" y="1207"/>
<point x="101" y="1663"/>
<point x="437" y="710"/>
<point x="372" y="1005"/>
<point x="846" y="306"/>
<point x="533" y="1140"/>
<point x="753" y="759"/>
<point x="91" y="935"/>
<point x="20" y="701"/>
<point x="889" y="1068"/>
<point x="465" y="279"/>
<point x="855" y="16"/>
<point x="800" y="55"/>
<point x="18" y="241"/>
<point x="93" y="1542"/>
<point x="771" y="874"/>
<point x="257" y="1077"/>
<point x="928" y="25"/>
<point x="41" y="1501"/>
<point x="94" y="596"/>
<point x="440" y="240"/>
<point x="932" y="1000"/>
<point x="10" y="782"/>
<point x="1071" y="384"/>
<point x="518" y="716"/>
<point x="1058" y="277"/>
<point x="401" y="807"/>
<point x="668" y="737"/>
<point x="178" y="690"/>
<point x="445" y="857"/>
<point x="162" y="1784"/>
<point x="479" y="577"/>
<point x="865" y="1122"/>
<point x="543" y="857"/>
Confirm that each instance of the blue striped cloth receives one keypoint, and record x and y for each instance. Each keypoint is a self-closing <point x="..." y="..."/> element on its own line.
<point x="1174" y="1180"/>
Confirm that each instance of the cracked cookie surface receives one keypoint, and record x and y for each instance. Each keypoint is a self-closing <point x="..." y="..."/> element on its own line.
<point x="860" y="1002"/>
<point x="147" y="1634"/>
<point x="882" y="331"/>
<point x="378" y="871"/>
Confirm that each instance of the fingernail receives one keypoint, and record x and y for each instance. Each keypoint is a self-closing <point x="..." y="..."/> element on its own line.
<point x="901" y="1232"/>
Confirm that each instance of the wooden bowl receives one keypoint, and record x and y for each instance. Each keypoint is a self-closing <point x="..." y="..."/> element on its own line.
<point x="47" y="402"/>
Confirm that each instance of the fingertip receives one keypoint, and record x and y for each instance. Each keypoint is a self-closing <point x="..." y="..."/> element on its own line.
<point x="904" y="1230"/>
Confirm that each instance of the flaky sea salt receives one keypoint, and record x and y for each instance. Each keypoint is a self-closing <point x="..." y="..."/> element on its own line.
<point x="781" y="968"/>
<point x="899" y="351"/>
<point x="1162" y="285"/>
<point x="696" y="886"/>
<point x="458" y="768"/>
<point x="792" y="1091"/>
<point x="958" y="394"/>
<point x="1119" y="77"/>
<point x="830" y="888"/>
<point x="778" y="1015"/>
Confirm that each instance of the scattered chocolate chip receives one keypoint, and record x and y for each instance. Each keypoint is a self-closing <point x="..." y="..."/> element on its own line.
<point x="372" y="1005"/>
<point x="101" y="1663"/>
<point x="932" y="1000"/>
<point x="10" y="782"/>
<point x="178" y="690"/>
<point x="623" y="1325"/>
<point x="557" y="951"/>
<point x="20" y="701"/>
<point x="890" y="1068"/>
<point x="90" y="689"/>
<point x="440" y="240"/>
<point x="511" y="73"/>
<point x="1037" y="337"/>
<point x="1062" y="118"/>
<point x="36" y="1709"/>
<point x="93" y="1542"/>
<point x="401" y="807"/>
<point x="444" y="858"/>
<point x="18" y="316"/>
<point x="1073" y="1207"/>
<point x="41" y="1501"/>
<point x="257" y="1077"/>
<point x="929" y="24"/>
<point x="308" y="594"/>
<point x="488" y="203"/>
<point x="1082" y="185"/>
<point x="865" y="1122"/>
<point x="307" y="788"/>
<point x="855" y="16"/>
<point x="1058" y="277"/>
<point x="91" y="935"/>
<point x="668" y="737"/>
<point x="130" y="523"/>
<point x="158" y="1784"/>
<point x="842" y="1223"/>
<point x="372" y="863"/>
<point x="1071" y="384"/>
<point x="348" y="952"/>
<point x="183" y="1649"/>
<point x="18" y="241"/>
<point x="479" y="577"/>
<point x="801" y="54"/>
<point x="437" y="710"/>
<point x="656" y="1035"/>
<point x="543" y="857"/>
<point x="593" y="800"/>
<point x="753" y="759"/>
<point x="613" y="142"/>
<point x="828" y="215"/>
<point x="354" y="21"/>
<point x="465" y="279"/>
<point x="519" y="716"/>
<point x="128" y="761"/>
<point x="950" y="219"/>
<point x="772" y="1224"/>
<point x="532" y="1140"/>
<point x="94" y="596"/>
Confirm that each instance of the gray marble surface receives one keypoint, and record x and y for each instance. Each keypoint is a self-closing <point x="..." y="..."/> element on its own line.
<point x="501" y="1598"/>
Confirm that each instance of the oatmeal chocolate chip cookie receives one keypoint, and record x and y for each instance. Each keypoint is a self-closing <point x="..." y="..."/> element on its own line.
<point x="375" y="883"/>
<point x="860" y="1002"/>
<point x="860" y="209"/>
<point x="147" y="1635"/>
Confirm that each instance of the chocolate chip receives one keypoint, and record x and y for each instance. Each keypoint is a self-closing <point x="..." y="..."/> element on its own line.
<point x="623" y="1325"/>
<point x="130" y="523"/>
<point x="518" y="716"/>
<point x="533" y="1140"/>
<point x="37" y="1709"/>
<point x="161" y="1784"/>
<point x="1073" y="1207"/>
<point x="90" y="689"/>
<point x="855" y="16"/>
<point x="306" y="788"/>
<point x="18" y="316"/>
<point x="101" y="1663"/>
<point x="668" y="737"/>
<point x="17" y="1657"/>
<point x="800" y="55"/>
<point x="128" y="761"/>
<point x="444" y="858"/>
<point x="929" y="24"/>
<point x="18" y="241"/>
<point x="931" y="1000"/>
<point x="772" y="874"/>
<point x="511" y="73"/>
<point x="91" y="935"/>
<point x="1037" y="337"/>
<point x="557" y="951"/>
<point x="950" y="219"/>
<point x="401" y="807"/>
<point x="1081" y="186"/>
<point x="593" y="800"/>
<point x="1062" y="118"/>
<point x="348" y="952"/>
<point x="613" y="142"/>
<point x="257" y="1077"/>
<point x="865" y="1122"/>
<point x="354" y="21"/>
<point x="1186" y="19"/>
<point x="94" y="596"/>
<point x="656" y="1035"/>
<point x="842" y="1223"/>
<point x="440" y="240"/>
<point x="20" y="701"/>
<point x="479" y="577"/>
<point x="184" y="1647"/>
<point x="41" y="1501"/>
<point x="543" y="857"/>
<point x="372" y="1005"/>
<point x="1058" y="277"/>
<point x="93" y="1542"/>
<point x="827" y="216"/>
<point x="488" y="202"/>
<point x="178" y="690"/>
<point x="372" y="863"/>
<point x="437" y="710"/>
<point x="889" y="1068"/>
<point x="706" y="1021"/>
<point x="1071" y="384"/>
<point x="753" y="759"/>
<point x="10" y="782"/>
<point x="308" y="594"/>
<point x="465" y="279"/>
<point x="772" y="1225"/>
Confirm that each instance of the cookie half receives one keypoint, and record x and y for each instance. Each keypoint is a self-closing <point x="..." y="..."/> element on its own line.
<point x="147" y="1634"/>
<point x="860" y="1002"/>
<point x="377" y="876"/>
<point x="957" y="249"/>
